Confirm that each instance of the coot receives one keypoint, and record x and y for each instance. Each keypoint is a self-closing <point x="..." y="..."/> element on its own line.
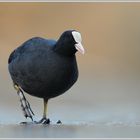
<point x="45" y="68"/>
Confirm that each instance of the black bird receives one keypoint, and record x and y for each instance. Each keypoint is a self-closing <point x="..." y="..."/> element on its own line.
<point x="45" y="68"/>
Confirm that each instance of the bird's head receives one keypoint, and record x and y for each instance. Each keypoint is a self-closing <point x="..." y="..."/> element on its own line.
<point x="69" y="43"/>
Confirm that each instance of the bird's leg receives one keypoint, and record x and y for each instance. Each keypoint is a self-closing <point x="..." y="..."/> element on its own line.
<point x="24" y="103"/>
<point x="44" y="119"/>
<point x="45" y="108"/>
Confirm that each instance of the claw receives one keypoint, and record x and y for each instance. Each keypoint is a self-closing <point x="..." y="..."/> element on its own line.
<point x="59" y="122"/>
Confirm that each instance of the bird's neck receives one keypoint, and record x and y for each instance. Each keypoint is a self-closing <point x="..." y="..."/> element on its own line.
<point x="64" y="48"/>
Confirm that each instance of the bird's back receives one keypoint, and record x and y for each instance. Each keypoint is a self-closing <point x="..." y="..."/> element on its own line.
<point x="40" y="71"/>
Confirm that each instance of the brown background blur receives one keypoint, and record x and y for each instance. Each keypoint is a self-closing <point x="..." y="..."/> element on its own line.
<point x="109" y="81"/>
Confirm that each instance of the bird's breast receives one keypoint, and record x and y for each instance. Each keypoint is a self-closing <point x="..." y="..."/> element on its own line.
<point x="46" y="75"/>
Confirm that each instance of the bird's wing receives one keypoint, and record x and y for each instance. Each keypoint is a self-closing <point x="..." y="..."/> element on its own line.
<point x="29" y="43"/>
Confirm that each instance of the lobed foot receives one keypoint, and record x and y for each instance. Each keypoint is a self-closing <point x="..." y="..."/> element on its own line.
<point x="27" y="123"/>
<point x="43" y="121"/>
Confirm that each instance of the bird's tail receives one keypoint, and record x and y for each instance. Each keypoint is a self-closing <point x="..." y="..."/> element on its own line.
<point x="27" y="111"/>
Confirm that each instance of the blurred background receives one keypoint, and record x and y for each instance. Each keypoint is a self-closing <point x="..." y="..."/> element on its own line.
<point x="108" y="88"/>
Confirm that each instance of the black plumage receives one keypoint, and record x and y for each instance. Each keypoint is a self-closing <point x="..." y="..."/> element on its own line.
<point x="45" y="68"/>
